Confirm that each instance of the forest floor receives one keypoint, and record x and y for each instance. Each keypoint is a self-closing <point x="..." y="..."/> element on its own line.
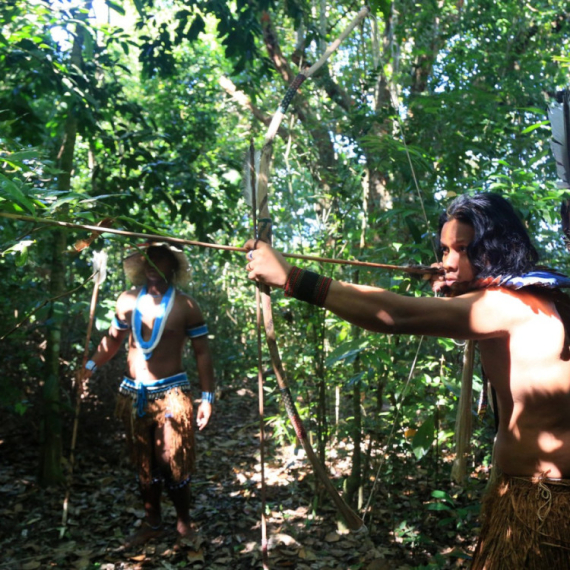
<point x="104" y="505"/>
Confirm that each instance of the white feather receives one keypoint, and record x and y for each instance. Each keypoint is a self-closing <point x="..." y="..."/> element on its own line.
<point x="100" y="266"/>
<point x="559" y="115"/>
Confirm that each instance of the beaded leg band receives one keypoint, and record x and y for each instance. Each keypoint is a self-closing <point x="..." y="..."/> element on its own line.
<point x="307" y="286"/>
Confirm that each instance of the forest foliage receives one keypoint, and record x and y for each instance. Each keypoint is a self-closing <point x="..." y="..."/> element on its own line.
<point x="157" y="102"/>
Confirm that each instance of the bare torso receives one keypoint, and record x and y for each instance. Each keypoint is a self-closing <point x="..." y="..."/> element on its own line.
<point x="522" y="343"/>
<point x="520" y="334"/>
<point x="530" y="369"/>
<point x="167" y="356"/>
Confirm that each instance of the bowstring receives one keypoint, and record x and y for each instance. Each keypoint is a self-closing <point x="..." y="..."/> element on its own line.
<point x="396" y="106"/>
<point x="391" y="435"/>
<point x="419" y="193"/>
<point x="260" y="395"/>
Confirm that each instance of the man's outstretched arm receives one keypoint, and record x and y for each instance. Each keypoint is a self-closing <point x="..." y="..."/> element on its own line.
<point x="108" y="347"/>
<point x="474" y="315"/>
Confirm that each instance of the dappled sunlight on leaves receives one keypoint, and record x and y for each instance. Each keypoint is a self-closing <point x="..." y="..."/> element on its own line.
<point x="303" y="532"/>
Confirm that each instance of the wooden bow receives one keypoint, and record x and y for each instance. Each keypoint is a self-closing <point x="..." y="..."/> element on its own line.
<point x="264" y="233"/>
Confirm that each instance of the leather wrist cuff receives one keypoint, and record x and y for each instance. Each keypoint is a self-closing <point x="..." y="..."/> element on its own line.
<point x="307" y="286"/>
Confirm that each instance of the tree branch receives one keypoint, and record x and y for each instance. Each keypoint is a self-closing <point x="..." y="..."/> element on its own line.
<point x="245" y="103"/>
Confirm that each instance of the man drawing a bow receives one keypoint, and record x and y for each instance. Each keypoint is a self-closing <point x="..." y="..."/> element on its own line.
<point x="496" y="295"/>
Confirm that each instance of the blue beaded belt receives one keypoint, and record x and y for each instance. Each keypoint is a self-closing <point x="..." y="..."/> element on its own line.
<point x="144" y="390"/>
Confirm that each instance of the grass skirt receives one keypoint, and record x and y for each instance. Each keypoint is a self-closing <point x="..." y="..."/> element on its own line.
<point x="172" y="413"/>
<point x="526" y="525"/>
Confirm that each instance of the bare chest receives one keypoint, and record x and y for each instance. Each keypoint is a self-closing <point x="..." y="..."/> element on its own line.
<point x="154" y="319"/>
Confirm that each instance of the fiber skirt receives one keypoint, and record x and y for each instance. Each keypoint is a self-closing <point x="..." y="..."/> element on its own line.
<point x="170" y="417"/>
<point x="525" y="525"/>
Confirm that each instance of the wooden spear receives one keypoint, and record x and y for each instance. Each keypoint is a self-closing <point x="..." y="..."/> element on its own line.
<point x="99" y="274"/>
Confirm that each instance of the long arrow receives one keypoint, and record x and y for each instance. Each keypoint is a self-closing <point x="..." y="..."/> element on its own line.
<point x="413" y="269"/>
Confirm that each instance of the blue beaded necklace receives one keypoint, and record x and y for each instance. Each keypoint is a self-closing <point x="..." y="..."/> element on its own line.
<point x="147" y="346"/>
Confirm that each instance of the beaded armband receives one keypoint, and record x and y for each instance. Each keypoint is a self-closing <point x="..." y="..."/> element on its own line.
<point x="208" y="397"/>
<point x="120" y="325"/>
<point x="197" y="331"/>
<point x="307" y="286"/>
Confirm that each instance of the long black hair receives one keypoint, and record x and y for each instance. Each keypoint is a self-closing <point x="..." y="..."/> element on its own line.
<point x="501" y="245"/>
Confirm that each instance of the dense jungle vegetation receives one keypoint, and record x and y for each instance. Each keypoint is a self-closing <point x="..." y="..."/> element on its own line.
<point x="139" y="114"/>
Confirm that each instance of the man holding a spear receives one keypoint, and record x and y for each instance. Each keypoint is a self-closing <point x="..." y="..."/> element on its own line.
<point x="154" y="396"/>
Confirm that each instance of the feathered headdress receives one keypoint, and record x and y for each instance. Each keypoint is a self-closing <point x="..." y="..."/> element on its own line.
<point x="559" y="115"/>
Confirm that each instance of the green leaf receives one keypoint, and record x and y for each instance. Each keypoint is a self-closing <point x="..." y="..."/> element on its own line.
<point x="536" y="110"/>
<point x="18" y="247"/>
<point x="66" y="198"/>
<point x="424" y="438"/>
<point x="438" y="507"/>
<point x="139" y="225"/>
<point x="117" y="7"/>
<point x="20" y="156"/>
<point x="534" y="127"/>
<point x="356" y="379"/>
<point x="22" y="257"/>
<point x="88" y="43"/>
<point x="15" y="193"/>
<point x="414" y="230"/>
<point x="347" y="351"/>
<point x="437" y="494"/>
<point x="446" y="504"/>
<point x="140" y="8"/>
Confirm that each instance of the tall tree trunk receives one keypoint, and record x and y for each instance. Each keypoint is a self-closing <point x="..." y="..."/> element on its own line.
<point x="354" y="483"/>
<point x="50" y="468"/>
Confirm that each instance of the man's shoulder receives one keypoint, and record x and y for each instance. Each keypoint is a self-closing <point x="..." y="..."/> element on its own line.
<point x="515" y="307"/>
<point x="187" y="303"/>
<point x="499" y="294"/>
<point x="133" y="292"/>
<point x="129" y="295"/>
<point x="502" y="300"/>
<point x="183" y="297"/>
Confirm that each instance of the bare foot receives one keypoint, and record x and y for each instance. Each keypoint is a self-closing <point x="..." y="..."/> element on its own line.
<point x="141" y="536"/>
<point x="187" y="536"/>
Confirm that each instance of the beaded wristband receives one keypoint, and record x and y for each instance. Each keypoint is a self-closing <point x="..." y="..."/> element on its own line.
<point x="208" y="397"/>
<point x="307" y="286"/>
<point x="90" y="365"/>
